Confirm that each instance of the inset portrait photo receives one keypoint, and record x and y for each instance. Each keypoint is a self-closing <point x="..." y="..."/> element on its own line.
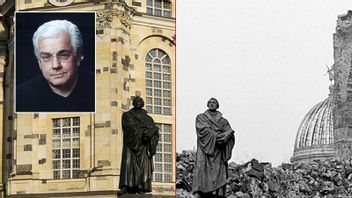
<point x="55" y="61"/>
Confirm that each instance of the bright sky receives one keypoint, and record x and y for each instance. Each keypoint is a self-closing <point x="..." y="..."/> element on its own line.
<point x="264" y="60"/>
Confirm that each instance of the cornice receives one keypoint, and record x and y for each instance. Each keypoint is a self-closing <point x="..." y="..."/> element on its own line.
<point x="72" y="6"/>
<point x="154" y="21"/>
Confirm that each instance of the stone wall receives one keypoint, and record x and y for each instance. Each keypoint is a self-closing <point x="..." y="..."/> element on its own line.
<point x="342" y="89"/>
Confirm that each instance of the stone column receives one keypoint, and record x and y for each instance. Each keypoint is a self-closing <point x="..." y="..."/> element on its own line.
<point x="342" y="89"/>
<point x="3" y="62"/>
<point x="2" y="150"/>
<point x="115" y="87"/>
<point x="6" y="100"/>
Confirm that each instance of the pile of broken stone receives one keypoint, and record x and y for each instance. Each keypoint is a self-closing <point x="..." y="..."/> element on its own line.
<point x="319" y="179"/>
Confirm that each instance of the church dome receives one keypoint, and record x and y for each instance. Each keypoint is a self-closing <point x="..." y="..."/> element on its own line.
<point x="315" y="135"/>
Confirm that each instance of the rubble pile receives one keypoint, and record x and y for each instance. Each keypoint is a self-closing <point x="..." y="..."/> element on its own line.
<point x="184" y="173"/>
<point x="326" y="179"/>
<point x="184" y="167"/>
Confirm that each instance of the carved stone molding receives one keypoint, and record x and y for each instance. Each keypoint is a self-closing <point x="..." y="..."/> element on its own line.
<point x="3" y="53"/>
<point x="60" y="3"/>
<point x="124" y="16"/>
<point x="10" y="22"/>
<point x="104" y="18"/>
<point x="157" y="30"/>
<point x="118" y="9"/>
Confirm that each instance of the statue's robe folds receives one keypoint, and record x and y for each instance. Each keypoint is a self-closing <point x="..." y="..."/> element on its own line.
<point x="211" y="161"/>
<point x="140" y="139"/>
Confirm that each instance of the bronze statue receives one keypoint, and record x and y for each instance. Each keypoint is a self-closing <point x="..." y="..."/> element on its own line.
<point x="140" y="138"/>
<point x="215" y="140"/>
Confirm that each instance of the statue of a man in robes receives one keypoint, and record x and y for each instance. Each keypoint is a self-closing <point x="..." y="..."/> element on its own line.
<point x="140" y="139"/>
<point x="215" y="141"/>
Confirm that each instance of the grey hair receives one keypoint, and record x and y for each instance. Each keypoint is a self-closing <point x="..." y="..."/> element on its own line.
<point x="53" y="29"/>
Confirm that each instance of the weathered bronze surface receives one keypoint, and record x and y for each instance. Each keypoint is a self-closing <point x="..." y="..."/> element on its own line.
<point x="215" y="141"/>
<point x="140" y="138"/>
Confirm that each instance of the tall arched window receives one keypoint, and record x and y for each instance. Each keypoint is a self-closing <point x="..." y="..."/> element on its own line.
<point x="158" y="82"/>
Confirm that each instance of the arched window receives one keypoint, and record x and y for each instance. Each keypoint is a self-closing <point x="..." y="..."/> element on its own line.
<point x="159" y="7"/>
<point x="158" y="82"/>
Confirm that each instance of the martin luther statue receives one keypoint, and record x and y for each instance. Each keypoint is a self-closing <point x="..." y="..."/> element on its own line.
<point x="140" y="139"/>
<point x="215" y="141"/>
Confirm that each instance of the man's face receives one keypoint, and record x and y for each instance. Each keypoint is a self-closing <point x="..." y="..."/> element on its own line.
<point x="212" y="105"/>
<point x="57" y="62"/>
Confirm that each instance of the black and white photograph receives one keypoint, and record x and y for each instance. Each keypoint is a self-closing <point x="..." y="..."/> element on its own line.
<point x="281" y="73"/>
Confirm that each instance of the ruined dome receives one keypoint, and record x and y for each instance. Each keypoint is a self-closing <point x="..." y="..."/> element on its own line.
<point x="315" y="135"/>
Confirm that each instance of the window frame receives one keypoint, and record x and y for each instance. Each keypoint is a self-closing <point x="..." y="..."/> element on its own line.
<point x="164" y="9"/>
<point x="158" y="81"/>
<point x="66" y="147"/>
<point x="164" y="156"/>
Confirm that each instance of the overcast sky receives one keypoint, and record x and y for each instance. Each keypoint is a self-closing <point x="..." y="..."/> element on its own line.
<point x="264" y="60"/>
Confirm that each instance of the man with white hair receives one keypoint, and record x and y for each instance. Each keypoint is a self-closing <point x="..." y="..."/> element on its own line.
<point x="62" y="87"/>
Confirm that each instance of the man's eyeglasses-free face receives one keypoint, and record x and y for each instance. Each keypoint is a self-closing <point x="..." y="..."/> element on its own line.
<point x="62" y="56"/>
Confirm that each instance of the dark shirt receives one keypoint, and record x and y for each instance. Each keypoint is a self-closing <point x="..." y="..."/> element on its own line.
<point x="35" y="95"/>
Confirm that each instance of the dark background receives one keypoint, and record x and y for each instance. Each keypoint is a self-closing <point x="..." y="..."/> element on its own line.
<point x="27" y="23"/>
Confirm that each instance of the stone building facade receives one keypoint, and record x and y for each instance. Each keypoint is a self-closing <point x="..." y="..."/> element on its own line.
<point x="342" y="90"/>
<point x="46" y="153"/>
<point x="339" y="111"/>
<point x="6" y="89"/>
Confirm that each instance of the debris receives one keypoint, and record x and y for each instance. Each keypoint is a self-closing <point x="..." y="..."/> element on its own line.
<point x="330" y="178"/>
